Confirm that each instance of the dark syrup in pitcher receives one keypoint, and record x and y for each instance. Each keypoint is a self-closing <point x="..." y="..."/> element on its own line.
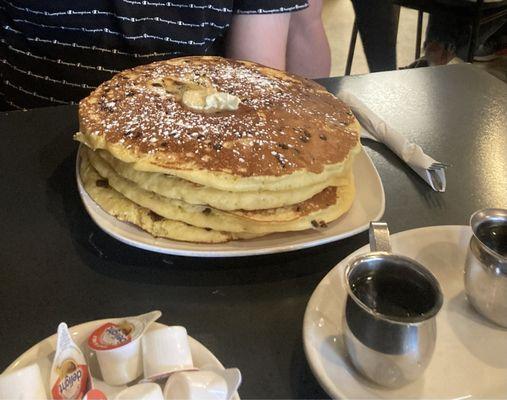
<point x="494" y="235"/>
<point x="396" y="293"/>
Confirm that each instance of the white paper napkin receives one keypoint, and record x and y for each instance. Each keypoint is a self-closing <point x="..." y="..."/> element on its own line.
<point x="375" y="128"/>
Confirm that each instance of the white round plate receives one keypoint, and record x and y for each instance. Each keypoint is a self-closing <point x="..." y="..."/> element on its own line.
<point x="43" y="352"/>
<point x="470" y="359"/>
<point x="368" y="206"/>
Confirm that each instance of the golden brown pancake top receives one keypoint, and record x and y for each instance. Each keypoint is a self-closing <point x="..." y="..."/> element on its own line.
<point x="284" y="123"/>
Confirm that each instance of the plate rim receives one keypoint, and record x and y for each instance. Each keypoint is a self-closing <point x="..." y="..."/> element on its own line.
<point x="311" y="355"/>
<point x="88" y="202"/>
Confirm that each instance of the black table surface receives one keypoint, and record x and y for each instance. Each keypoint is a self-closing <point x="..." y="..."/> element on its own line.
<point x="57" y="265"/>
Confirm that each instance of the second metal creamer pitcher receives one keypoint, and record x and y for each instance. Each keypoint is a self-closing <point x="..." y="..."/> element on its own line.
<point x="486" y="265"/>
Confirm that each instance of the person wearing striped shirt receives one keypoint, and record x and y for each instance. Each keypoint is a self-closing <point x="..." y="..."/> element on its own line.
<point x="56" y="51"/>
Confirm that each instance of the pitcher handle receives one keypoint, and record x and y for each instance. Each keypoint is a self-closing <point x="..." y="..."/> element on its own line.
<point x="379" y="237"/>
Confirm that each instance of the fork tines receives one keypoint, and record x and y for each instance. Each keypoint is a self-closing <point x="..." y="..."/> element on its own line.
<point x="435" y="179"/>
<point x="438" y="165"/>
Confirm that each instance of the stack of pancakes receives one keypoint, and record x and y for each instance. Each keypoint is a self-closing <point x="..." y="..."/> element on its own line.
<point x="205" y="149"/>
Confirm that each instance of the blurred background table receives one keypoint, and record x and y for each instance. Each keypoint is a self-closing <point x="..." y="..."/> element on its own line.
<point x="57" y="265"/>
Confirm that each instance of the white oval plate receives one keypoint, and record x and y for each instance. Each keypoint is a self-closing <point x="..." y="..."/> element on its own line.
<point x="368" y="206"/>
<point x="470" y="359"/>
<point x="43" y="352"/>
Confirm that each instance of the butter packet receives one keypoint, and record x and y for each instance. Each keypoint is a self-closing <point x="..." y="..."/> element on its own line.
<point x="70" y="376"/>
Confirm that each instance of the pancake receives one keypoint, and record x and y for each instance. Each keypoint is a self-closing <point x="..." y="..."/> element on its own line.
<point x="287" y="132"/>
<point x="180" y="189"/>
<point x="322" y="208"/>
<point x="125" y="210"/>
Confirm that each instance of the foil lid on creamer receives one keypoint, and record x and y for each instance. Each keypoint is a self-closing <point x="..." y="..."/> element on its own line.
<point x="70" y="377"/>
<point x="113" y="335"/>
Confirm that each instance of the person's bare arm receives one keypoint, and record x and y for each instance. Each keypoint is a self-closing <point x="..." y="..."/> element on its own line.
<point x="260" y="38"/>
<point x="308" y="52"/>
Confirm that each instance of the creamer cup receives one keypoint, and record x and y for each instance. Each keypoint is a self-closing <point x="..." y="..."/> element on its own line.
<point x="70" y="376"/>
<point x="232" y="377"/>
<point x="118" y="347"/>
<point x="165" y="350"/>
<point x="142" y="391"/>
<point x="196" y="385"/>
<point x="109" y="391"/>
<point x="23" y="384"/>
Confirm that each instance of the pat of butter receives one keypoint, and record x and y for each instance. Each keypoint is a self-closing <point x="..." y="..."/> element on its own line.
<point x="210" y="100"/>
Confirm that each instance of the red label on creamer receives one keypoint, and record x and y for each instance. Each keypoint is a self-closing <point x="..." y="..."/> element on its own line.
<point x="95" y="394"/>
<point x="110" y="336"/>
<point x="70" y="377"/>
<point x="72" y="382"/>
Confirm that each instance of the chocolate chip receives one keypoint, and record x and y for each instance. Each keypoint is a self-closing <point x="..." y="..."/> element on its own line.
<point x="298" y="208"/>
<point x="105" y="106"/>
<point x="102" y="183"/>
<point x="283" y="146"/>
<point x="206" y="211"/>
<point x="155" y="217"/>
<point x="208" y="229"/>
<point x="314" y="223"/>
<point x="178" y="85"/>
<point x="217" y="146"/>
<point x="164" y="144"/>
<point x="323" y="137"/>
<point x="305" y="136"/>
<point x="323" y="224"/>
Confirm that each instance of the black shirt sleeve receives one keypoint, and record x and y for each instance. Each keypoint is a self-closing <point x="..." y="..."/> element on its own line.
<point x="268" y="6"/>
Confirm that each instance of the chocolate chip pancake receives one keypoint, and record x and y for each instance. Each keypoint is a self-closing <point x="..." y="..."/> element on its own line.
<point x="322" y="208"/>
<point x="125" y="210"/>
<point x="228" y="125"/>
<point x="192" y="193"/>
<point x="205" y="149"/>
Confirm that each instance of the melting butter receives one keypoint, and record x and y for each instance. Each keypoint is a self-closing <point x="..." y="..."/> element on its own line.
<point x="209" y="99"/>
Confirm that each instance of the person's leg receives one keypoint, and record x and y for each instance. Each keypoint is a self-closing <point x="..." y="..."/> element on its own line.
<point x="442" y="35"/>
<point x="377" y="22"/>
<point x="486" y="39"/>
<point x="448" y="35"/>
<point x="308" y="52"/>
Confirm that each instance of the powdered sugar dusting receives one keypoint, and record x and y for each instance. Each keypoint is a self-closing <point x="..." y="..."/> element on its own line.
<point x="275" y="130"/>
